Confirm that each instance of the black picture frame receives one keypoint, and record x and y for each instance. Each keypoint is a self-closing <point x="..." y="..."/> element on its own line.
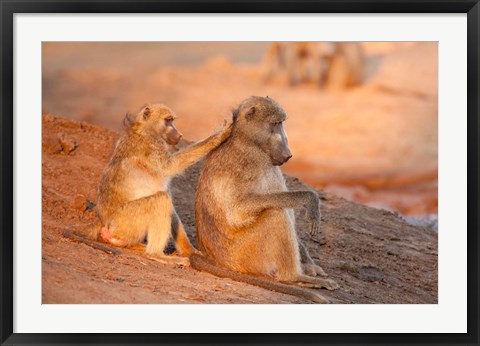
<point x="10" y="7"/>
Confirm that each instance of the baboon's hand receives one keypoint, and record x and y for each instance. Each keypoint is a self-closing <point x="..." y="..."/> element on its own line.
<point x="313" y="215"/>
<point x="225" y="132"/>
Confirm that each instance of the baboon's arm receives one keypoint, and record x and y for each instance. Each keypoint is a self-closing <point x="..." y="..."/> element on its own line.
<point x="252" y="205"/>
<point x="186" y="157"/>
<point x="304" y="255"/>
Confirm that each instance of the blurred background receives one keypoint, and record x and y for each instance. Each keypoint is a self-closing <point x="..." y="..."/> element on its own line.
<point x="363" y="117"/>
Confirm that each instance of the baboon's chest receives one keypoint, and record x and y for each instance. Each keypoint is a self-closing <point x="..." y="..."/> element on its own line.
<point x="271" y="181"/>
<point x="143" y="184"/>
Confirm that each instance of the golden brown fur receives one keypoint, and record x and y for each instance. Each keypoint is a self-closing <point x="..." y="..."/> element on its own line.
<point x="133" y="198"/>
<point x="300" y="61"/>
<point x="346" y="66"/>
<point x="336" y="65"/>
<point x="243" y="209"/>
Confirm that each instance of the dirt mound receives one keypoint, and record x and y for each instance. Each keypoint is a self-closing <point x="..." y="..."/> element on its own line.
<point x="373" y="254"/>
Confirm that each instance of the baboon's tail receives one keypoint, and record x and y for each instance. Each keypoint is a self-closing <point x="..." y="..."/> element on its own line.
<point x="200" y="263"/>
<point x="88" y="234"/>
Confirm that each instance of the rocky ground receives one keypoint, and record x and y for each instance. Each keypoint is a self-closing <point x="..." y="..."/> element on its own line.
<point x="373" y="254"/>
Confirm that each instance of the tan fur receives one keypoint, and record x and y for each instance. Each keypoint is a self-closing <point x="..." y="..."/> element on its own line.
<point x="337" y="65"/>
<point x="243" y="208"/>
<point x="133" y="198"/>
<point x="300" y="61"/>
<point x="346" y="66"/>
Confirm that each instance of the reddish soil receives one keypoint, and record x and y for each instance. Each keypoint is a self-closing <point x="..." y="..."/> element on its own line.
<point x="373" y="254"/>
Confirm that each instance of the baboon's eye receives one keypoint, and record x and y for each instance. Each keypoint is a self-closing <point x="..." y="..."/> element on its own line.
<point x="275" y="125"/>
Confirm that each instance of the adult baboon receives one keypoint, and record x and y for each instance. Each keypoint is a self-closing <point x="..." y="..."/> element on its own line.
<point x="346" y="66"/>
<point x="245" y="224"/>
<point x="337" y="65"/>
<point x="300" y="61"/>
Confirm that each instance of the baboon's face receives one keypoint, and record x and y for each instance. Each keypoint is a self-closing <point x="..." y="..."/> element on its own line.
<point x="277" y="147"/>
<point x="262" y="121"/>
<point x="169" y="132"/>
<point x="158" y="120"/>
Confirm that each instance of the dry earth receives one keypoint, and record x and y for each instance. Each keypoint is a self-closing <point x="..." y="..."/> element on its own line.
<point x="373" y="254"/>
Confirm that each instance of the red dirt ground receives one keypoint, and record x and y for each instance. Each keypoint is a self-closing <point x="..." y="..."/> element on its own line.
<point x="373" y="254"/>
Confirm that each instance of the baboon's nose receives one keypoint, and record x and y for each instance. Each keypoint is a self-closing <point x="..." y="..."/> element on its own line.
<point x="286" y="154"/>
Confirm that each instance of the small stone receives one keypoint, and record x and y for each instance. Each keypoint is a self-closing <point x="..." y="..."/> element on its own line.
<point x="51" y="145"/>
<point x="80" y="202"/>
<point x="90" y="205"/>
<point x="68" y="143"/>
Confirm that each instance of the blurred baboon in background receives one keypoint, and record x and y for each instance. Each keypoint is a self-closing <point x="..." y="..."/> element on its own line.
<point x="346" y="66"/>
<point x="337" y="65"/>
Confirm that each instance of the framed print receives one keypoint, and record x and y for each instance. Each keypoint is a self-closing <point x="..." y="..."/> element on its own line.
<point x="229" y="172"/>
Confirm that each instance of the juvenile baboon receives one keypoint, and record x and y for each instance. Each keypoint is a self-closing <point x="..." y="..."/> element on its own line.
<point x="133" y="197"/>
<point x="245" y="224"/>
<point x="346" y="66"/>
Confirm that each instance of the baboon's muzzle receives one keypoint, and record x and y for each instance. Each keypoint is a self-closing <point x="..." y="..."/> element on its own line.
<point x="173" y="136"/>
<point x="279" y="152"/>
<point x="282" y="157"/>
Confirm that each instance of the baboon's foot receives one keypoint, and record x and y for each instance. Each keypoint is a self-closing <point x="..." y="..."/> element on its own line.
<point x="109" y="238"/>
<point x="312" y="269"/>
<point x="193" y="251"/>
<point x="316" y="282"/>
<point x="186" y="249"/>
<point x="329" y="284"/>
<point x="181" y="261"/>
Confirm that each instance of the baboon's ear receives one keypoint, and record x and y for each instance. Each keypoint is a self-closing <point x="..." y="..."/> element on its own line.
<point x="250" y="113"/>
<point x="146" y="113"/>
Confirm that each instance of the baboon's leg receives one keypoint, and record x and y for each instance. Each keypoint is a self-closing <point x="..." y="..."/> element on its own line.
<point x="308" y="265"/>
<point x="160" y="230"/>
<point x="272" y="61"/>
<point x="339" y="73"/>
<point x="292" y="62"/>
<point x="130" y="224"/>
<point x="182" y="243"/>
<point x="159" y="227"/>
<point x="320" y="72"/>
